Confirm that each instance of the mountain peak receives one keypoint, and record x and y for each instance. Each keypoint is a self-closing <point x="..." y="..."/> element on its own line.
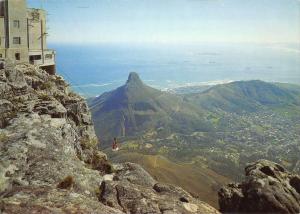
<point x="134" y="78"/>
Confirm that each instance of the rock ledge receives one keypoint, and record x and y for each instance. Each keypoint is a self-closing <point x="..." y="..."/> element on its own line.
<point x="49" y="162"/>
<point x="268" y="188"/>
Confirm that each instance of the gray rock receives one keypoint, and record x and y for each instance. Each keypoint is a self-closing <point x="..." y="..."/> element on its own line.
<point x="268" y="188"/>
<point x="41" y="144"/>
<point x="49" y="161"/>
<point x="133" y="190"/>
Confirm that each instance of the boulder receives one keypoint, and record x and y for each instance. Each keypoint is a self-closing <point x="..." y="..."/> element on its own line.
<point x="268" y="188"/>
<point x="133" y="190"/>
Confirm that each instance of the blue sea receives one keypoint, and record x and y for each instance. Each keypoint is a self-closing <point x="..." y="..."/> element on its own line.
<point x="95" y="69"/>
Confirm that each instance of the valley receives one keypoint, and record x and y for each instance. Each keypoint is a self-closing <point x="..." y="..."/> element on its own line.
<point x="200" y="141"/>
<point x="198" y="180"/>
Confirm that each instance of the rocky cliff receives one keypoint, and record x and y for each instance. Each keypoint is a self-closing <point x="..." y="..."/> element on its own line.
<point x="268" y="188"/>
<point x="49" y="162"/>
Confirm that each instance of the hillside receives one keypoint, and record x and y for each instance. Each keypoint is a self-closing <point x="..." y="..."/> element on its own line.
<point x="49" y="161"/>
<point x="201" y="182"/>
<point x="135" y="108"/>
<point x="247" y="120"/>
<point x="246" y="96"/>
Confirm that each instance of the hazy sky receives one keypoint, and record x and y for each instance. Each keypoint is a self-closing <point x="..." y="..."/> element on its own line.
<point x="174" y="21"/>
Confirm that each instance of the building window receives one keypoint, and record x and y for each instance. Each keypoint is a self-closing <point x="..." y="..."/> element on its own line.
<point x="16" y="23"/>
<point x="17" y="56"/>
<point x="48" y="56"/>
<point x="2" y="8"/>
<point x="17" y="40"/>
<point x="1" y="56"/>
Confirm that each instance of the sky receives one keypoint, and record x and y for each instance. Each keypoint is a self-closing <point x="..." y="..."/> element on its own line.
<point x="171" y="21"/>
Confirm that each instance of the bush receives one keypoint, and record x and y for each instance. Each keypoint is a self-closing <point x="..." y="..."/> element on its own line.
<point x="88" y="143"/>
<point x="3" y="137"/>
<point x="30" y="72"/>
<point x="102" y="165"/>
<point x="66" y="183"/>
<point x="95" y="159"/>
<point x="72" y="94"/>
<point x="45" y="97"/>
<point x="46" y="85"/>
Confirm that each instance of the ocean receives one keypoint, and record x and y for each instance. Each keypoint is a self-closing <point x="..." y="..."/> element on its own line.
<point x="95" y="69"/>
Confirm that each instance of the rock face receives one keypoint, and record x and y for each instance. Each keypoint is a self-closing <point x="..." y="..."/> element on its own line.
<point x="49" y="162"/>
<point x="133" y="190"/>
<point x="268" y="188"/>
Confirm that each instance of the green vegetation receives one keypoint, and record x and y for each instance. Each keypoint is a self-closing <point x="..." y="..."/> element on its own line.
<point x="46" y="85"/>
<point x="201" y="182"/>
<point x="45" y="96"/>
<point x="30" y="72"/>
<point x="3" y="137"/>
<point x="89" y="143"/>
<point x="220" y="129"/>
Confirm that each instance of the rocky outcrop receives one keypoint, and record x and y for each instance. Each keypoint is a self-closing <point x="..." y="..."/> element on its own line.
<point x="49" y="162"/>
<point x="132" y="190"/>
<point x="268" y="188"/>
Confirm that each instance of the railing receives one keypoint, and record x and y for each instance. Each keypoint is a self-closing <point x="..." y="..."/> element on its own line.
<point x="49" y="57"/>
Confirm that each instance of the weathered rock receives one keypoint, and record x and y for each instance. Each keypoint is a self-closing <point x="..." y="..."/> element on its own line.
<point x="46" y="200"/>
<point x="41" y="144"/>
<point x="133" y="190"/>
<point x="268" y="188"/>
<point x="49" y="162"/>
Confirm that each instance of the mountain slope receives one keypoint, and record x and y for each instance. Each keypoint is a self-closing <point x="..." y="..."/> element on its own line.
<point x="246" y="96"/>
<point x="218" y="130"/>
<point x="136" y="108"/>
<point x="199" y="181"/>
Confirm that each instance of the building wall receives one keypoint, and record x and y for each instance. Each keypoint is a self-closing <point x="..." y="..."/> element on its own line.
<point x="17" y="11"/>
<point x="37" y="29"/>
<point x="23" y="35"/>
<point x="2" y="38"/>
<point x="2" y="29"/>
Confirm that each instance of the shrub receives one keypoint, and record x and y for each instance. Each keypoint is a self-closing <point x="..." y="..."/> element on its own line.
<point x="102" y="165"/>
<point x="88" y="143"/>
<point x="30" y="72"/>
<point x="58" y="96"/>
<point x="66" y="183"/>
<point x="46" y="85"/>
<point x="44" y="97"/>
<point x="95" y="159"/>
<point x="3" y="137"/>
<point x="72" y="94"/>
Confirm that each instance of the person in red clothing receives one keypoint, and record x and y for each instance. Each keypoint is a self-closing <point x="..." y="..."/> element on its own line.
<point x="115" y="146"/>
